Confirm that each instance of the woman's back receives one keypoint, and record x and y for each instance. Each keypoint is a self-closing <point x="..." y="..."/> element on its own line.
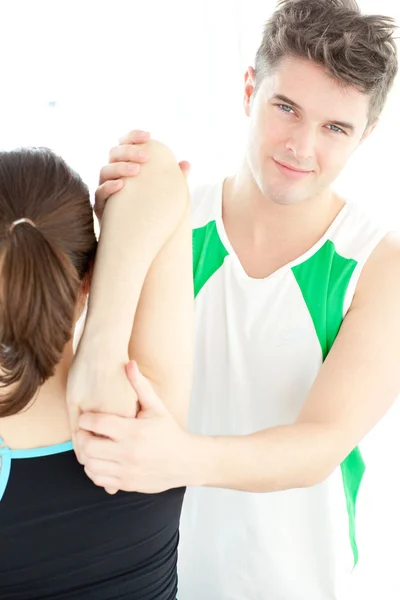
<point x="64" y="538"/>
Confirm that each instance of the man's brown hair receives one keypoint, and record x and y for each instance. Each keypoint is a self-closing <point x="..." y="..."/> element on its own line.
<point x="43" y="262"/>
<point x="357" y="50"/>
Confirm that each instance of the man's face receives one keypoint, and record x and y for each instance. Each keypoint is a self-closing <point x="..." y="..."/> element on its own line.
<point x="304" y="126"/>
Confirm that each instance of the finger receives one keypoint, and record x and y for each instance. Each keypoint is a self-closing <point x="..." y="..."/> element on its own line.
<point x="148" y="399"/>
<point x="185" y="167"/>
<point x="116" y="170"/>
<point x="104" y="481"/>
<point x="107" y="468"/>
<point x="110" y="426"/>
<point x="136" y="136"/>
<point x="138" y="153"/>
<point x="95" y="447"/>
<point x="103" y="193"/>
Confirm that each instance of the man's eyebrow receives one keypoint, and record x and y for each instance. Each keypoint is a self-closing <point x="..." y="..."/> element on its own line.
<point x="343" y="125"/>
<point x="286" y="100"/>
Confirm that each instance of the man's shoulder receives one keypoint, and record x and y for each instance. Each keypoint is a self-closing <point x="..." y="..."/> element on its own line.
<point x="387" y="253"/>
<point x="381" y="275"/>
<point x="356" y="232"/>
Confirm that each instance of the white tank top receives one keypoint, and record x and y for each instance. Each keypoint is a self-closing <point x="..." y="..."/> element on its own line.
<point x="259" y="346"/>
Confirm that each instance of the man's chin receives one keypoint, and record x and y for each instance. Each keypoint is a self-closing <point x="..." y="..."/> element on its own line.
<point x="284" y="197"/>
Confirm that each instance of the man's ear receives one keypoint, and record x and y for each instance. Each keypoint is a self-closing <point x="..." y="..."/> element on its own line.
<point x="249" y="87"/>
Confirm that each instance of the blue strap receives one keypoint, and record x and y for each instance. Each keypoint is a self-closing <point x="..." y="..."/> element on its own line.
<point x="6" y="455"/>
<point x="44" y="451"/>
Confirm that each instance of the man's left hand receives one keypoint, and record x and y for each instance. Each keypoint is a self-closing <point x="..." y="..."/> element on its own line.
<point x="150" y="453"/>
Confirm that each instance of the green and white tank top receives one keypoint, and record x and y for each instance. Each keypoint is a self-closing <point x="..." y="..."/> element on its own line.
<point x="259" y="346"/>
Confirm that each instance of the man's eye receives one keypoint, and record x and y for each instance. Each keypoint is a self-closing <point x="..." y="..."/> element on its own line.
<point x="285" y="108"/>
<point x="336" y="129"/>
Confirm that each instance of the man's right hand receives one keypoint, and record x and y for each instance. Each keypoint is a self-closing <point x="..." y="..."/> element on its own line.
<point x="125" y="160"/>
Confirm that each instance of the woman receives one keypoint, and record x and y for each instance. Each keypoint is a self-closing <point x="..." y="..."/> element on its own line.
<point x="63" y="537"/>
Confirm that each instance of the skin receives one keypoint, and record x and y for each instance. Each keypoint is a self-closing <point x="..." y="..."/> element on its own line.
<point x="300" y="117"/>
<point x="145" y="230"/>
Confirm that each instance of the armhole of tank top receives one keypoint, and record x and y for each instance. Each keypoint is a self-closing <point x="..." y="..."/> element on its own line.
<point x="361" y="262"/>
<point x="203" y="206"/>
<point x="5" y="468"/>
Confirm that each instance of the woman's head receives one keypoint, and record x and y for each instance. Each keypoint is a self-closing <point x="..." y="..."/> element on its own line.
<point x="44" y="262"/>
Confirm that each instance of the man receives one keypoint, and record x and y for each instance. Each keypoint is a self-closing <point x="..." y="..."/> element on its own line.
<point x="297" y="327"/>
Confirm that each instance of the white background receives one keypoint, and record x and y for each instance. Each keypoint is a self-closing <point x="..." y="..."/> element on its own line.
<point x="77" y="74"/>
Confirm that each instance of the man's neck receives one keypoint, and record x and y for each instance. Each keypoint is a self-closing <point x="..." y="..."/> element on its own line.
<point x="266" y="235"/>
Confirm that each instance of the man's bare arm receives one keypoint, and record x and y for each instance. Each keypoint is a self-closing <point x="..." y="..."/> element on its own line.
<point x="357" y="384"/>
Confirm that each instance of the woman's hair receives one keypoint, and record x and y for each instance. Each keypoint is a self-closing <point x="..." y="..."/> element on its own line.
<point x="43" y="262"/>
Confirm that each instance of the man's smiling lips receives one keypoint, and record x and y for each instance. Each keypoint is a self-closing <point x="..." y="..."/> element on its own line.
<point x="291" y="172"/>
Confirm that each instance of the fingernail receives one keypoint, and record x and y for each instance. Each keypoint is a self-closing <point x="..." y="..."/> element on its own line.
<point x="132" y="168"/>
<point x="142" y="154"/>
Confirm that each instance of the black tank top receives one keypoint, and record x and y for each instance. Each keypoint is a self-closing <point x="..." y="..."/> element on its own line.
<point x="63" y="538"/>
